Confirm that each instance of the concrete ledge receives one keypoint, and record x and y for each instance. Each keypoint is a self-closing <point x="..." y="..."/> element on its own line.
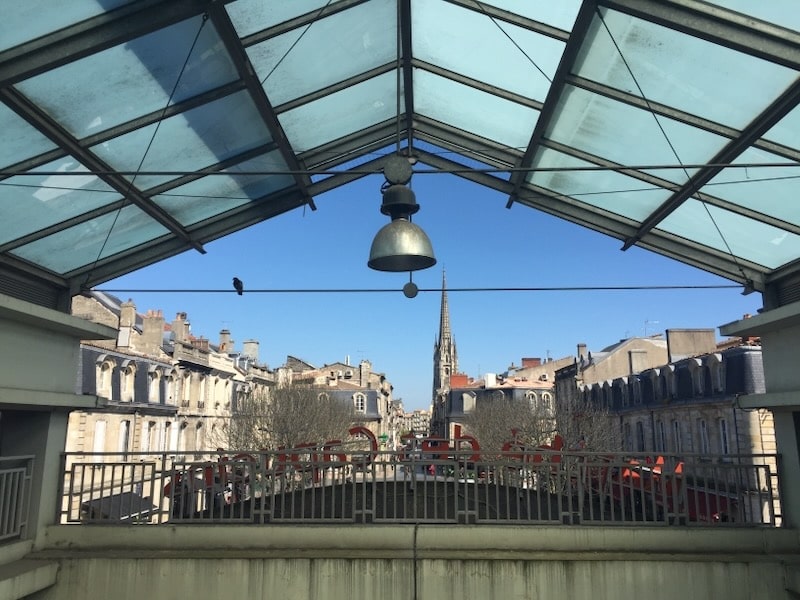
<point x="423" y="541"/>
<point x="13" y="551"/>
<point x="24" y="577"/>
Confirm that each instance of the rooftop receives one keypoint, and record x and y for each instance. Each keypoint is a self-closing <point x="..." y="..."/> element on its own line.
<point x="135" y="130"/>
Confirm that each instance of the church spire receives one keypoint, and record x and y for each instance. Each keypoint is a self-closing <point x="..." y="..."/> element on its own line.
<point x="445" y="363"/>
<point x="444" y="317"/>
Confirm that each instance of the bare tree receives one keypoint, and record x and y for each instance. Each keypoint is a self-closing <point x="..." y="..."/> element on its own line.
<point x="285" y="417"/>
<point x="496" y="421"/>
<point x="585" y="425"/>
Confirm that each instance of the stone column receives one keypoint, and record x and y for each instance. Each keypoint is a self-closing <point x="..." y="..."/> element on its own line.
<point x="779" y="330"/>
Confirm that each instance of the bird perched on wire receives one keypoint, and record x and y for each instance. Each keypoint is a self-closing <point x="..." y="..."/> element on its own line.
<point x="238" y="285"/>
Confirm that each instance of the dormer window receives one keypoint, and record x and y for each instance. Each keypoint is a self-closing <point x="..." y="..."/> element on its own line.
<point x="360" y="403"/>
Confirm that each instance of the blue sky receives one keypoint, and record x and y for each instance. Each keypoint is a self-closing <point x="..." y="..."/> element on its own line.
<point x="476" y="240"/>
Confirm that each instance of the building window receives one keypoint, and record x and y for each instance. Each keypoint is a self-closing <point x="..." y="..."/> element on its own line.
<point x="532" y="399"/>
<point x="676" y="436"/>
<point x="126" y="383"/>
<point x="627" y="437"/>
<point x="498" y="395"/>
<point x="360" y="403"/>
<point x="104" y="379"/>
<point x="172" y="388"/>
<point x="124" y="436"/>
<point x="547" y="401"/>
<point x="99" y="442"/>
<point x="702" y="432"/>
<point x="724" y="442"/>
<point x="201" y="396"/>
<point x="322" y="396"/>
<point x="186" y="389"/>
<point x="640" y="437"/>
<point x="154" y="385"/>
<point x="148" y="435"/>
<point x="198" y="437"/>
<point x="661" y="436"/>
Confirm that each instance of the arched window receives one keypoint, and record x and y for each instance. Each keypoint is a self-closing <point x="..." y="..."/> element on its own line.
<point x="360" y="402"/>
<point x="532" y="399"/>
<point x="172" y="388"/>
<point x="322" y="396"/>
<point x="154" y="386"/>
<point x="498" y="395"/>
<point x="105" y="372"/>
<point x="198" y="437"/>
<point x="127" y="378"/>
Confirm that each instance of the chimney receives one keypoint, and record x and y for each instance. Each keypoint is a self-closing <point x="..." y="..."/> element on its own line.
<point x="531" y="362"/>
<point x="152" y="331"/>
<point x="127" y="319"/>
<point x="225" y="342"/>
<point x="180" y="328"/>
<point x="201" y="343"/>
<point x="637" y="361"/>
<point x="127" y="314"/>
<point x="490" y="380"/>
<point x="250" y="348"/>
<point x="581" y="351"/>
<point x="365" y="369"/>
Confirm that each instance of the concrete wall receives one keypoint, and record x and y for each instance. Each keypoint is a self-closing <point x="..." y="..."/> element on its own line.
<point x="407" y="562"/>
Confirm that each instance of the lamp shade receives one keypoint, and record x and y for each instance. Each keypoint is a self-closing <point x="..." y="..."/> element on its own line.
<point x="401" y="246"/>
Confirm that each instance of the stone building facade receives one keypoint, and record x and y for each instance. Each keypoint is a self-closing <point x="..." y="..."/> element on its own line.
<point x="369" y="391"/>
<point x="687" y="405"/>
<point x="160" y="389"/>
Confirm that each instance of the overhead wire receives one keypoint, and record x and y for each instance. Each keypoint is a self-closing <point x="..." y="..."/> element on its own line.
<point x="603" y="288"/>
<point x="136" y="173"/>
<point x="672" y="148"/>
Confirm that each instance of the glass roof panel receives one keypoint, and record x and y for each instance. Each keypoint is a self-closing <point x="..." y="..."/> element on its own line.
<point x="779" y="12"/>
<point x="29" y="203"/>
<point x="473" y="44"/>
<point x="609" y="190"/>
<point x="678" y="70"/>
<point x="342" y="113"/>
<point x="352" y="41"/>
<point x="746" y="238"/>
<point x="559" y="14"/>
<point x="33" y="18"/>
<point x="189" y="141"/>
<point x="785" y="131"/>
<point x="212" y="195"/>
<point x="20" y="139"/>
<point x="144" y="74"/>
<point x="768" y="190"/>
<point x="250" y="16"/>
<point x="472" y="110"/>
<point x="609" y="129"/>
<point x="82" y="244"/>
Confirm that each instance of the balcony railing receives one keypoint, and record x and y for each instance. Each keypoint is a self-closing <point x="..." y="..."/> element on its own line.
<point x="15" y="495"/>
<point x="322" y="485"/>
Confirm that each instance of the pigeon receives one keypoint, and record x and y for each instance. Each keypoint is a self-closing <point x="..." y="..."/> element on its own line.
<point x="238" y="285"/>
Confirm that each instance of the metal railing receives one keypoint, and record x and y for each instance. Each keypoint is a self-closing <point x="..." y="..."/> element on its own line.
<point x="524" y="487"/>
<point x="15" y="495"/>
